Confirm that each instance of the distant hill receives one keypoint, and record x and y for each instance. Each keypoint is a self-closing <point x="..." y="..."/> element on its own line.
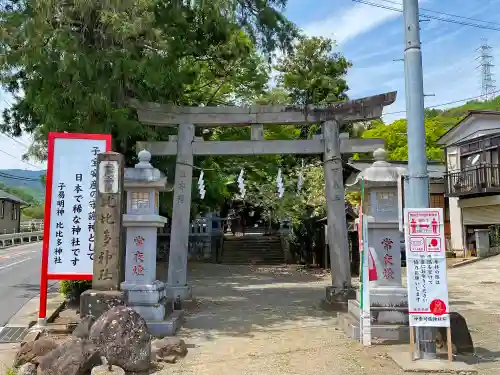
<point x="27" y="181"/>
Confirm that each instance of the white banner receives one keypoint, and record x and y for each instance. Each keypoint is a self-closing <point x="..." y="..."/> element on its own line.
<point x="428" y="304"/>
<point x="72" y="208"/>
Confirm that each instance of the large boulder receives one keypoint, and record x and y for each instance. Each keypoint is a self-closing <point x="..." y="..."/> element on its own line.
<point x="82" y="330"/>
<point x="169" y="349"/>
<point x="106" y="370"/>
<point x="27" y="369"/>
<point x="32" y="350"/>
<point x="461" y="339"/>
<point x="123" y="338"/>
<point x="73" y="357"/>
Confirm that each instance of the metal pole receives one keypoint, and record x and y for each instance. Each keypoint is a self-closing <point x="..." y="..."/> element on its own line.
<point x="417" y="159"/>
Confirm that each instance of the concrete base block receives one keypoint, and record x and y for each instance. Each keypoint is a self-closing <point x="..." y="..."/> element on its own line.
<point x="183" y="293"/>
<point x="150" y="312"/>
<point x="144" y="294"/>
<point x="380" y="315"/>
<point x="167" y="327"/>
<point x="440" y="365"/>
<point x="389" y="296"/>
<point x="382" y="332"/>
<point x="144" y="297"/>
<point x="338" y="297"/>
<point x="97" y="302"/>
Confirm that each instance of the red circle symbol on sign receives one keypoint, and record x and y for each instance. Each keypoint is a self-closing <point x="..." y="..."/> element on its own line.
<point x="434" y="242"/>
<point x="438" y="307"/>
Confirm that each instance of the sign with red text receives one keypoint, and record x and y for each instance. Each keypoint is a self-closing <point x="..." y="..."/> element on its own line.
<point x="70" y="193"/>
<point x="428" y="304"/>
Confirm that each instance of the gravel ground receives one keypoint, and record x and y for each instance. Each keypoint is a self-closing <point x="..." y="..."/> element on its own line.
<point x="267" y="321"/>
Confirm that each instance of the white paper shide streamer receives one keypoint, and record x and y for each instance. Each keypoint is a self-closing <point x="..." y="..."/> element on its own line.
<point x="201" y="185"/>
<point x="241" y="184"/>
<point x="300" y="181"/>
<point x="279" y="184"/>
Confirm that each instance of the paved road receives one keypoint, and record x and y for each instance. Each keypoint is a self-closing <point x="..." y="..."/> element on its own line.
<point x="19" y="278"/>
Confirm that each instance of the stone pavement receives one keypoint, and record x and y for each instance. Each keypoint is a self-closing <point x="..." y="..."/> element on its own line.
<point x="268" y="321"/>
<point x="475" y="293"/>
<point x="27" y="317"/>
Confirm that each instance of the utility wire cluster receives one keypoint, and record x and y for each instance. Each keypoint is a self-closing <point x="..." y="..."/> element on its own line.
<point x="439" y="16"/>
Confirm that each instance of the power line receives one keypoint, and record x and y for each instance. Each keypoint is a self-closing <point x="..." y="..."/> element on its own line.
<point x="457" y="22"/>
<point x="447" y="14"/>
<point x="16" y="140"/>
<point x="447" y="103"/>
<point x="18" y="178"/>
<point x="22" y="161"/>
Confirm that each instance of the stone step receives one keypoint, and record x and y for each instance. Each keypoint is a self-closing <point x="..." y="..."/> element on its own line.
<point x="252" y="251"/>
<point x="254" y="259"/>
<point x="398" y="333"/>
<point x="260" y="261"/>
<point x="243" y="248"/>
<point x="246" y="249"/>
<point x="258" y="256"/>
<point x="252" y="238"/>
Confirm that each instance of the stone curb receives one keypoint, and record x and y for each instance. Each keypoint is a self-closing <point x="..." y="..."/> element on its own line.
<point x="470" y="261"/>
<point x="465" y="262"/>
<point x="35" y="332"/>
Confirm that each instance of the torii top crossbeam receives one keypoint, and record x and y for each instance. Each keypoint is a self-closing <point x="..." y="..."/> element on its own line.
<point x="368" y="108"/>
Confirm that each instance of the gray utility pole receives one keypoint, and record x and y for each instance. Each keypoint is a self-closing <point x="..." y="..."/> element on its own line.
<point x="417" y="159"/>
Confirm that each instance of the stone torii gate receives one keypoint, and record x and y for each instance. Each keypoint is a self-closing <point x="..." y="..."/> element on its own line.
<point x="329" y="143"/>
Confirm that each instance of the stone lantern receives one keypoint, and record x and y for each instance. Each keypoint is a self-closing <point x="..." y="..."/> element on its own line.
<point x="388" y="297"/>
<point x="146" y="294"/>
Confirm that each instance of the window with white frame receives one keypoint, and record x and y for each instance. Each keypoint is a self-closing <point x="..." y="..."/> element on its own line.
<point x="2" y="210"/>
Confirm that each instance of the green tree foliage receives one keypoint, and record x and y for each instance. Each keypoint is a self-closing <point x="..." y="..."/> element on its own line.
<point x="437" y="122"/>
<point x="33" y="212"/>
<point x="35" y="209"/>
<point x="25" y="194"/>
<point x="313" y="73"/>
<point x="72" y="66"/>
<point x="396" y="141"/>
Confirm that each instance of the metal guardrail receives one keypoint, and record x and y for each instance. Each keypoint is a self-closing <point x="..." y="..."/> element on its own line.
<point x="7" y="240"/>
<point x="31" y="225"/>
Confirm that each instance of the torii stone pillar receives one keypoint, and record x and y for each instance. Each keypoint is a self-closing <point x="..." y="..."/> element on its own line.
<point x="341" y="289"/>
<point x="177" y="287"/>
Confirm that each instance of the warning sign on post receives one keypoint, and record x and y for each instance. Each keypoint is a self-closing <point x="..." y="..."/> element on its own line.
<point x="424" y="222"/>
<point x="426" y="268"/>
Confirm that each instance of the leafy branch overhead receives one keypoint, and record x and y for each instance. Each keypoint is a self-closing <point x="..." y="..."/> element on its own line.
<point x="71" y="66"/>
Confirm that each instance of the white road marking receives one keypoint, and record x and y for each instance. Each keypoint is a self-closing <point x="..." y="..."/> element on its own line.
<point x="10" y="255"/>
<point x="13" y="264"/>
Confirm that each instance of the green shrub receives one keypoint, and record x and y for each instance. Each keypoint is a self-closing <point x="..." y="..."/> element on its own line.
<point x="71" y="289"/>
<point x="11" y="371"/>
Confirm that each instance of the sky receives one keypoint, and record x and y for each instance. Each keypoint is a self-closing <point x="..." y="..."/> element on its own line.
<point x="372" y="39"/>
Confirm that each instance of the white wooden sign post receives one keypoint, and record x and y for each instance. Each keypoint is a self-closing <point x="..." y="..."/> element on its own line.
<point x="71" y="189"/>
<point x="428" y="304"/>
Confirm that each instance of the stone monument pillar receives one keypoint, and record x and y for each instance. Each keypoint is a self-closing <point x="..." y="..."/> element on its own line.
<point x="146" y="294"/>
<point x="108" y="252"/>
<point x="388" y="296"/>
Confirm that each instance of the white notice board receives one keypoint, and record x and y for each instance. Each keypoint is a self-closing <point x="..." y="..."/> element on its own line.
<point x="428" y="303"/>
<point x="70" y="200"/>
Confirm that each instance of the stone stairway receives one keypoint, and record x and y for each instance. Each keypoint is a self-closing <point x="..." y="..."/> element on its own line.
<point x="388" y="323"/>
<point x="252" y="249"/>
